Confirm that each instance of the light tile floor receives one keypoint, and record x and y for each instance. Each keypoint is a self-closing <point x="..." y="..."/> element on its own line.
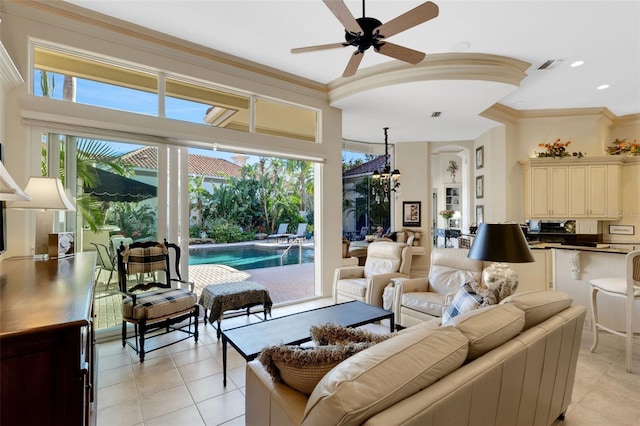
<point x="182" y="384"/>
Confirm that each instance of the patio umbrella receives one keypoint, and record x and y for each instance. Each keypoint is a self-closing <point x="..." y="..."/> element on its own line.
<point x="113" y="187"/>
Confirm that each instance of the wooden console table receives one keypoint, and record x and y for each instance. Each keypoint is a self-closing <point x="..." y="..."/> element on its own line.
<point x="47" y="341"/>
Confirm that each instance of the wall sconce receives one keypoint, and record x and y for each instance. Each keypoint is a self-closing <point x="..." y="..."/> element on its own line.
<point x="47" y="195"/>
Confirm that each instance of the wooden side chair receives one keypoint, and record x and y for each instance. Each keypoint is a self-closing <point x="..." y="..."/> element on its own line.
<point x="154" y="304"/>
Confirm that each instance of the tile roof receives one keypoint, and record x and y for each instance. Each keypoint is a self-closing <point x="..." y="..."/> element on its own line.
<point x="369" y="167"/>
<point x="147" y="158"/>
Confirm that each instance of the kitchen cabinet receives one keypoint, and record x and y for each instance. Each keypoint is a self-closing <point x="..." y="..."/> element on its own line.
<point x="572" y="188"/>
<point x="47" y="342"/>
<point x="594" y="191"/>
<point x="453" y="201"/>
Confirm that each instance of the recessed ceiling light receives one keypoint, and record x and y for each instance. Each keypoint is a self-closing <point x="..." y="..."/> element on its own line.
<point x="603" y="86"/>
<point x="576" y="64"/>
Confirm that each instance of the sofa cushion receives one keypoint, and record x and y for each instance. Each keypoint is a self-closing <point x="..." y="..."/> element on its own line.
<point x="489" y="327"/>
<point x="335" y="334"/>
<point x="465" y="300"/>
<point x="383" y="257"/>
<point x="302" y="367"/>
<point x="379" y="377"/>
<point x="539" y="305"/>
<point x="425" y="302"/>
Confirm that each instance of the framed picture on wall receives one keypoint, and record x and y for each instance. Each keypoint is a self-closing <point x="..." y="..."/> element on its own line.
<point x="411" y="213"/>
<point x="480" y="157"/>
<point x="479" y="214"/>
<point x="479" y="186"/>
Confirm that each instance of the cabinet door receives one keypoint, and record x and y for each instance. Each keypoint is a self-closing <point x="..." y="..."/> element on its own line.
<point x="597" y="196"/>
<point x="540" y="206"/>
<point x="558" y="186"/>
<point x="578" y="182"/>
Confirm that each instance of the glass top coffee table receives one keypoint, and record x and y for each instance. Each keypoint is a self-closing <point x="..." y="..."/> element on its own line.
<point x="293" y="329"/>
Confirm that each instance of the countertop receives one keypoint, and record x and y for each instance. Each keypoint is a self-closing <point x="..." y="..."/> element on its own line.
<point x="603" y="248"/>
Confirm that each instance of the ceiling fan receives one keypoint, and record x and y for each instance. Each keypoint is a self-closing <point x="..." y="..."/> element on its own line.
<point x="365" y="32"/>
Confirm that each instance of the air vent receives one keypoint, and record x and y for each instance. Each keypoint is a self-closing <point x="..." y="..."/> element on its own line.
<point x="549" y="64"/>
<point x="436" y="114"/>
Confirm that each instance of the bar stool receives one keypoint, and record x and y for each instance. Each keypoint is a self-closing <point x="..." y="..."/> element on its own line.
<point x="627" y="288"/>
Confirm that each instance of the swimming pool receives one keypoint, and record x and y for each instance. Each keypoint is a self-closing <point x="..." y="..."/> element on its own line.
<point x="248" y="256"/>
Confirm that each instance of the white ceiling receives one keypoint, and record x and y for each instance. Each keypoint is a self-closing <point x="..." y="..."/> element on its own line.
<point x="603" y="34"/>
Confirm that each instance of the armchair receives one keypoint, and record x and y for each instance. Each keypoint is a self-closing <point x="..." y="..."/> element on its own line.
<point x="421" y="299"/>
<point x="385" y="260"/>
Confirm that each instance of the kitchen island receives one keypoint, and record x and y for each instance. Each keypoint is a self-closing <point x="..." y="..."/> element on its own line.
<point x="575" y="266"/>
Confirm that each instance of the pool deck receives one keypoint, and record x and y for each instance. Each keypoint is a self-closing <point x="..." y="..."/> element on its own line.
<point x="285" y="283"/>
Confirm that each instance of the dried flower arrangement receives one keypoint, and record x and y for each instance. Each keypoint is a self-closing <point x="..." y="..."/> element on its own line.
<point x="624" y="147"/>
<point x="557" y="150"/>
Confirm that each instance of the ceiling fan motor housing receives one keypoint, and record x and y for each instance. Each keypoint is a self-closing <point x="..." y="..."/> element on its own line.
<point x="367" y="38"/>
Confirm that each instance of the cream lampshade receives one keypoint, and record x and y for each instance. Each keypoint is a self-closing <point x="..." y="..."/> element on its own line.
<point x="47" y="196"/>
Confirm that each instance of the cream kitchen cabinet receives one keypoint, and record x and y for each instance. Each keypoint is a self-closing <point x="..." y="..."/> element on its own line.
<point x="594" y="191"/>
<point x="572" y="187"/>
<point x="545" y="192"/>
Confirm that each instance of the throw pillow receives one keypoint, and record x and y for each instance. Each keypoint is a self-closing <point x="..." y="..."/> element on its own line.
<point x="465" y="300"/>
<point x="301" y="368"/>
<point x="334" y="334"/>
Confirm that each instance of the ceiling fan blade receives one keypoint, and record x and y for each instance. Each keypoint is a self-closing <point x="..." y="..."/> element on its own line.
<point x="318" y="47"/>
<point x="353" y="64"/>
<point x="402" y="53"/>
<point x="340" y="10"/>
<point x="414" y="17"/>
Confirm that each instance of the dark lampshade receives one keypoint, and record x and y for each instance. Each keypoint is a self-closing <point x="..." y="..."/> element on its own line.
<point x="502" y="242"/>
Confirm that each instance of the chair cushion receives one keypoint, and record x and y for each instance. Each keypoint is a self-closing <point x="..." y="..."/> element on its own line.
<point x="141" y="260"/>
<point x="352" y="286"/>
<point x="377" y="378"/>
<point x="445" y="279"/>
<point x="383" y="257"/>
<point x="335" y="334"/>
<point x="302" y="367"/>
<point x="465" y="300"/>
<point x="156" y="304"/>
<point x="426" y="302"/>
<point x="488" y="328"/>
<point x="539" y="305"/>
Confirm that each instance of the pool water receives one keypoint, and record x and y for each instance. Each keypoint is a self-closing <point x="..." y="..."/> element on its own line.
<point x="248" y="257"/>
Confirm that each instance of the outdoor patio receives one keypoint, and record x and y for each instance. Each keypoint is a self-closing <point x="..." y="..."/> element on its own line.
<point x="285" y="283"/>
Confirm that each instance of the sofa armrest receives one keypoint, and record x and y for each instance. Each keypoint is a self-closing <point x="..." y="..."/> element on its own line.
<point x="268" y="403"/>
<point x="376" y="285"/>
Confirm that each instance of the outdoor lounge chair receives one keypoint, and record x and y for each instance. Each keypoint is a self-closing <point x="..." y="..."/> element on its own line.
<point x="300" y="233"/>
<point x="282" y="232"/>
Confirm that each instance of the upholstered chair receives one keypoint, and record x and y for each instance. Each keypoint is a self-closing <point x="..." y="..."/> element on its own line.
<point x="421" y="299"/>
<point x="385" y="260"/>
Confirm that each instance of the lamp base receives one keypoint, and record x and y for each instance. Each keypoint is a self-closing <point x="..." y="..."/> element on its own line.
<point x="500" y="279"/>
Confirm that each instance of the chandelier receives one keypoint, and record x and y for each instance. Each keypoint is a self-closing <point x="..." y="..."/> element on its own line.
<point x="385" y="180"/>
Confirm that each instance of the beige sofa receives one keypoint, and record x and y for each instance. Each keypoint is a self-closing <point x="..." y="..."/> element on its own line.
<point x="508" y="364"/>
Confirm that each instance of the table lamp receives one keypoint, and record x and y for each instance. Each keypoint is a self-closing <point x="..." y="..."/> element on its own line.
<point x="47" y="195"/>
<point x="500" y="243"/>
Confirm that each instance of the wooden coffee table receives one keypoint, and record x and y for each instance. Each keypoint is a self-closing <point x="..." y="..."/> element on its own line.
<point x="293" y="329"/>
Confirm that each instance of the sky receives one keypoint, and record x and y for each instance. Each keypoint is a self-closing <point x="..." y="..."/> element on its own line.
<point x="126" y="99"/>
